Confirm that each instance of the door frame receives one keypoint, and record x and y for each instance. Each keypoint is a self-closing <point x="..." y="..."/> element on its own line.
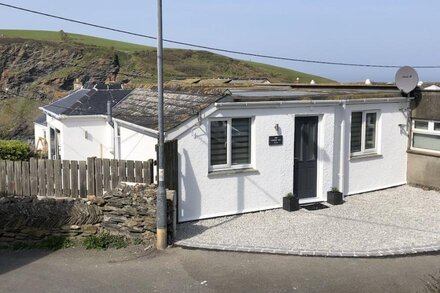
<point x="320" y="164"/>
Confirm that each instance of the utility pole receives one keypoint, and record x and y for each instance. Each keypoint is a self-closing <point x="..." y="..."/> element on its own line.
<point x="161" y="206"/>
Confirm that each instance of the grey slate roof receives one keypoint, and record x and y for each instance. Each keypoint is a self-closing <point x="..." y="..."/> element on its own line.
<point x="87" y="101"/>
<point x="140" y="107"/>
<point x="41" y="120"/>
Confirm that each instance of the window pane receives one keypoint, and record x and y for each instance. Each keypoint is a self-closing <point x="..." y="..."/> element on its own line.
<point x="426" y="141"/>
<point x="241" y="141"/>
<point x="421" y="124"/>
<point x="218" y="142"/>
<point x="370" y="131"/>
<point x="437" y="126"/>
<point x="356" y="132"/>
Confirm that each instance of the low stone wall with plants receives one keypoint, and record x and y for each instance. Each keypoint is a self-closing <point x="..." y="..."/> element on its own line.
<point x="129" y="211"/>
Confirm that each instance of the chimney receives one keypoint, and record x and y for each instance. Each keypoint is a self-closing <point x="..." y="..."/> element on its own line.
<point x="109" y="113"/>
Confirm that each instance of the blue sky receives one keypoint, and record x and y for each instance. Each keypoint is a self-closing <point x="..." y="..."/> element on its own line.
<point x="401" y="32"/>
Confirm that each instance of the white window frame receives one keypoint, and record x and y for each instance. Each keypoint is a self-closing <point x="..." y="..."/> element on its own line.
<point x="429" y="131"/>
<point x="364" y="151"/>
<point x="228" y="165"/>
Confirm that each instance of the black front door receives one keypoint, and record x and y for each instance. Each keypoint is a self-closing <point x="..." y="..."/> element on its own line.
<point x="305" y="161"/>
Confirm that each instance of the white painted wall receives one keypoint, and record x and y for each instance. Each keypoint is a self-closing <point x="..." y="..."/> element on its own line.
<point x="202" y="195"/>
<point x="76" y="145"/>
<point x="134" y="145"/>
<point x="388" y="169"/>
<point x="85" y="137"/>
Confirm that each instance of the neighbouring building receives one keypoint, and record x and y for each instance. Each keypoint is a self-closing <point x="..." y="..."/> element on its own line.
<point x="424" y="143"/>
<point x="241" y="149"/>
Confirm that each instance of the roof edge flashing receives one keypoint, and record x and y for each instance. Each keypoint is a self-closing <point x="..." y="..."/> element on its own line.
<point x="307" y="102"/>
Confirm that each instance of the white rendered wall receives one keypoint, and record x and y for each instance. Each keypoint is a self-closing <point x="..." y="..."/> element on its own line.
<point x="75" y="144"/>
<point x="133" y="145"/>
<point x="204" y="196"/>
<point x="39" y="132"/>
<point x="389" y="168"/>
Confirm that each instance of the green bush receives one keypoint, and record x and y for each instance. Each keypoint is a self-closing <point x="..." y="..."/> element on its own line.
<point x="14" y="150"/>
<point x="104" y="241"/>
<point x="49" y="243"/>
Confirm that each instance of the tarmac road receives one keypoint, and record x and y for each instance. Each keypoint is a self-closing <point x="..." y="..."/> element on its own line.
<point x="182" y="270"/>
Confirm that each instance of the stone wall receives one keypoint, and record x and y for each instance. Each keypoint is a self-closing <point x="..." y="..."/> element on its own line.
<point x="128" y="210"/>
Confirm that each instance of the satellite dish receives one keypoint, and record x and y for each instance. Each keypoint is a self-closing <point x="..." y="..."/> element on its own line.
<point x="406" y="79"/>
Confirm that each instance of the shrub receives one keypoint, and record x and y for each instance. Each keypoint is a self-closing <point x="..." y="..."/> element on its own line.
<point x="49" y="243"/>
<point x="14" y="150"/>
<point x="104" y="241"/>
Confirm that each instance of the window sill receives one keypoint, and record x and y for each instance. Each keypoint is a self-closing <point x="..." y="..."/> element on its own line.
<point x="365" y="156"/>
<point x="424" y="153"/>
<point x="228" y="172"/>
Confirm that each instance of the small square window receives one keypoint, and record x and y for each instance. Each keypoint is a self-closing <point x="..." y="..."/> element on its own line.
<point x="421" y="124"/>
<point x="363" y="132"/>
<point x="426" y="135"/>
<point x="230" y="142"/>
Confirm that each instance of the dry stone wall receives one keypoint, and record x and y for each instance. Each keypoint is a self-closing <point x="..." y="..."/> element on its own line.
<point x="128" y="210"/>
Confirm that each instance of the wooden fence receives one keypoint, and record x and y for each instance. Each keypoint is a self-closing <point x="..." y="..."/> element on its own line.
<point x="70" y="178"/>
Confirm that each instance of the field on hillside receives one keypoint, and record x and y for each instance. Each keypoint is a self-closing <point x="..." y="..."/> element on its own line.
<point x="38" y="67"/>
<point x="201" y="63"/>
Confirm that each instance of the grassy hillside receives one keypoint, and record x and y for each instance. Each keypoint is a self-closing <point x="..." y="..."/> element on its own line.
<point x="200" y="63"/>
<point x="77" y="38"/>
<point x="38" y="67"/>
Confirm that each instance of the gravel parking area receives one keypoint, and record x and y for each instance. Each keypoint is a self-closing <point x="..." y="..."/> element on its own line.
<point x="394" y="221"/>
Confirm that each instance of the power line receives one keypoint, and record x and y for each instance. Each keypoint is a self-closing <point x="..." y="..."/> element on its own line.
<point x="214" y="48"/>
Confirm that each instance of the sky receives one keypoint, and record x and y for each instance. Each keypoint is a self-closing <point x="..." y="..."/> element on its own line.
<point x="390" y="32"/>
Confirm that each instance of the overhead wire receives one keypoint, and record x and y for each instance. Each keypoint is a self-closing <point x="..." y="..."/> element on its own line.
<point x="211" y="48"/>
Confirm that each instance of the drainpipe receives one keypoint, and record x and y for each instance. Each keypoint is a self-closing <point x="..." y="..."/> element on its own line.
<point x="111" y="123"/>
<point x="342" y="152"/>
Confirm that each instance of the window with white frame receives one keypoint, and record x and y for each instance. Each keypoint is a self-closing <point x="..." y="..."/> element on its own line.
<point x="426" y="135"/>
<point x="230" y="143"/>
<point x="363" y="132"/>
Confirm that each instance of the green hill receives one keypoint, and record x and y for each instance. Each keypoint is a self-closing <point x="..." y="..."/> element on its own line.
<point x="38" y="67"/>
<point x="195" y="65"/>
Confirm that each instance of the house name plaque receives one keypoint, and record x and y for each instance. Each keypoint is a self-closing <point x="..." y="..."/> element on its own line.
<point x="276" y="140"/>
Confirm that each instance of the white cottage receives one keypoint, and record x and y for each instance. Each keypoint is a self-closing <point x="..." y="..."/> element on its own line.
<point x="243" y="150"/>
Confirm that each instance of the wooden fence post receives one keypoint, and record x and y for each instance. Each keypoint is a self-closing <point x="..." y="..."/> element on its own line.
<point x="98" y="177"/>
<point x="74" y="178"/>
<point x="66" y="177"/>
<point x="17" y="174"/>
<point x="82" y="179"/>
<point x="122" y="171"/>
<point x="34" y="176"/>
<point x="115" y="174"/>
<point x="130" y="171"/>
<point x="91" y="176"/>
<point x="148" y="169"/>
<point x="10" y="172"/>
<point x="42" y="177"/>
<point x="58" y="177"/>
<point x="25" y="179"/>
<point x="50" y="189"/>
<point x="106" y="174"/>
<point x="3" y="187"/>
<point x="138" y="171"/>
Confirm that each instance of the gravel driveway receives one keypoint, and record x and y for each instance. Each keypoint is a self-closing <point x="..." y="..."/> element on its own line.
<point x="394" y="221"/>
